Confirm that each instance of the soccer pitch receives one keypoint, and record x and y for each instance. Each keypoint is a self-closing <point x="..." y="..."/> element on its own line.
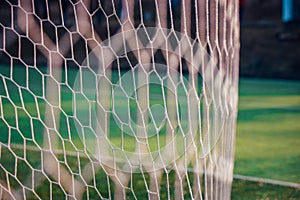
<point x="268" y="129"/>
<point x="267" y="142"/>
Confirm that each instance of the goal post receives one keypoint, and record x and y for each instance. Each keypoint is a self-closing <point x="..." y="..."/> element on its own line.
<point x="119" y="99"/>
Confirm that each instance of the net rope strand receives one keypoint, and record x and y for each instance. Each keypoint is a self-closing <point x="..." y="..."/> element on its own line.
<point x="122" y="110"/>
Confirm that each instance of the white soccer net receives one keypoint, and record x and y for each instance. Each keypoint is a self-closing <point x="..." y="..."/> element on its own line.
<point x="132" y="99"/>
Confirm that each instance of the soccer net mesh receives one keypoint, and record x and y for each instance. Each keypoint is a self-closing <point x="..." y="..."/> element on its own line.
<point x="118" y="99"/>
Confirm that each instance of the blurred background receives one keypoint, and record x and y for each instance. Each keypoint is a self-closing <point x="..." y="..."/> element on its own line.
<point x="267" y="158"/>
<point x="270" y="46"/>
<point x="268" y="131"/>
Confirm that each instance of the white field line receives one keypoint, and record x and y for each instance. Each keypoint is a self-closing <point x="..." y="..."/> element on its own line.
<point x="265" y="180"/>
<point x="236" y="176"/>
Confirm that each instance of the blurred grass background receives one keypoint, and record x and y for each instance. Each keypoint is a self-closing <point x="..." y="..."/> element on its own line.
<point x="267" y="140"/>
<point x="268" y="128"/>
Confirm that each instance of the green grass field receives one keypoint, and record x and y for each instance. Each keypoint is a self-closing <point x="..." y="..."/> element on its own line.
<point x="267" y="140"/>
<point x="268" y="130"/>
